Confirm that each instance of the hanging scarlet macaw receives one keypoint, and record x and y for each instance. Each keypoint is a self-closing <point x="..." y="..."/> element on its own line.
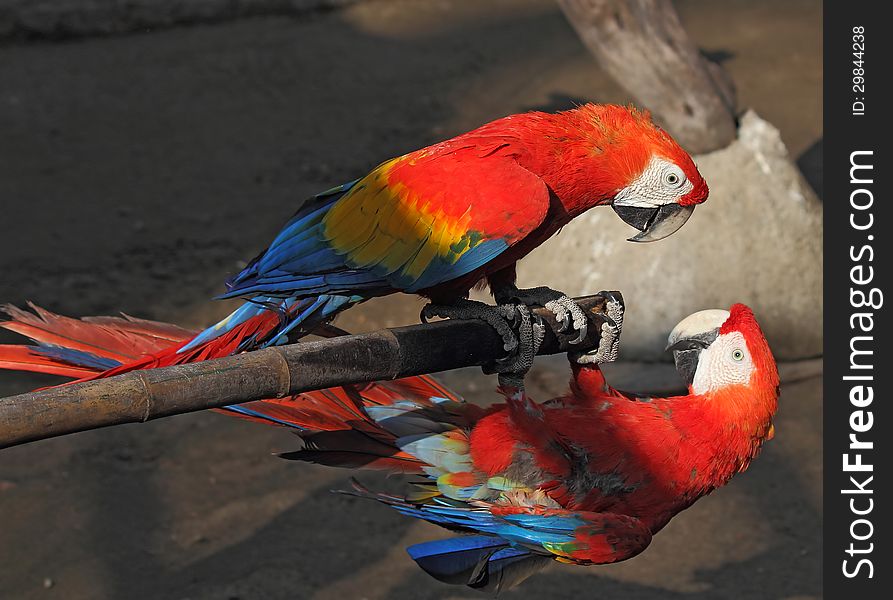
<point x="585" y="478"/>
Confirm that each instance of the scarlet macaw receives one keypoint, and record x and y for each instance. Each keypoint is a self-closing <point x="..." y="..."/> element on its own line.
<point x="585" y="478"/>
<point x="437" y="221"/>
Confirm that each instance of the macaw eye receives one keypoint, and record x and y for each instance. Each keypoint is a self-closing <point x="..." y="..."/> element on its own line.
<point x="738" y="354"/>
<point x="674" y="177"/>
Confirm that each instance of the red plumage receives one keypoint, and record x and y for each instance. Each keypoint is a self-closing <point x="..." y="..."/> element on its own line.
<point x="570" y="161"/>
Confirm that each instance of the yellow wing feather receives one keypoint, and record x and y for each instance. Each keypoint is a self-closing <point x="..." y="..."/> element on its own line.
<point x="382" y="223"/>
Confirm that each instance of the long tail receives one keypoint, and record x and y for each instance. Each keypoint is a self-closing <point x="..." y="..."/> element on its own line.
<point x="97" y="347"/>
<point x="84" y="348"/>
<point x="355" y="426"/>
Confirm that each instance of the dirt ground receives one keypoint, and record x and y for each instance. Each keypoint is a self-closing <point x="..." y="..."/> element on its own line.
<point x="137" y="171"/>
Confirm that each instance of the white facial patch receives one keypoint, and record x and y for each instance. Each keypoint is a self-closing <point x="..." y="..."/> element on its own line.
<point x="662" y="182"/>
<point x="726" y="362"/>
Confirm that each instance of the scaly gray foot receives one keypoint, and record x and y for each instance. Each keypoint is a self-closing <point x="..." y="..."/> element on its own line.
<point x="505" y="319"/>
<point x="609" y="340"/>
<point x="499" y="318"/>
<point x="512" y="370"/>
<point x="566" y="311"/>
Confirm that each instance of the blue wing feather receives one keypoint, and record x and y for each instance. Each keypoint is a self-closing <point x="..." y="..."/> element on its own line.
<point x="481" y="562"/>
<point x="300" y="262"/>
<point x="442" y="270"/>
<point x="532" y="529"/>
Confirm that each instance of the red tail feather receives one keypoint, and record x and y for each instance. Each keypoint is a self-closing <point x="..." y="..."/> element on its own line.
<point x="119" y="338"/>
<point x="340" y="409"/>
<point x="224" y="345"/>
<point x="22" y="358"/>
<point x="142" y="344"/>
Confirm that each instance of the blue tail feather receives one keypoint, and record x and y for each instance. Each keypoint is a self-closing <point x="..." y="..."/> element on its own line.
<point x="77" y="358"/>
<point x="319" y="310"/>
<point x="455" y="560"/>
<point x="481" y="562"/>
<point x="241" y="409"/>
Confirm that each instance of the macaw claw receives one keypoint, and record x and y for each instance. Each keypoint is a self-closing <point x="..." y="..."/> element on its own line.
<point x="609" y="340"/>
<point x="567" y="313"/>
<point x="522" y="333"/>
<point x="571" y="316"/>
<point x="499" y="317"/>
<point x="512" y="369"/>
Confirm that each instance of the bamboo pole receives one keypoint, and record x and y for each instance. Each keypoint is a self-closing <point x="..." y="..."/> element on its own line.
<point x="141" y="396"/>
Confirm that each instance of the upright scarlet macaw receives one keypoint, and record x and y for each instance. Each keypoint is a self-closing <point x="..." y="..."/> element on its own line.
<point x="585" y="478"/>
<point x="438" y="220"/>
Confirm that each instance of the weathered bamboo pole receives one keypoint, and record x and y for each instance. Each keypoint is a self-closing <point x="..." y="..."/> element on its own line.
<point x="270" y="373"/>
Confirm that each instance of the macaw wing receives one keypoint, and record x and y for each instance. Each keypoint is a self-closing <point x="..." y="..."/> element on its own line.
<point x="577" y="536"/>
<point x="414" y="222"/>
<point x="299" y="262"/>
<point x="570" y="536"/>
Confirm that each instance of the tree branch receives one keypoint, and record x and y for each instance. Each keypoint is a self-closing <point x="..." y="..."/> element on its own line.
<point x="149" y="394"/>
<point x="643" y="47"/>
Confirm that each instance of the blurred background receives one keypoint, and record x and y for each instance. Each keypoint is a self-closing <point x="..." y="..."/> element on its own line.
<point x="148" y="148"/>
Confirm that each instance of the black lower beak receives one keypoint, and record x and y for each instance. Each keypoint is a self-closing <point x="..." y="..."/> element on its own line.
<point x="687" y="363"/>
<point x="637" y="216"/>
<point x="655" y="223"/>
<point x="687" y="352"/>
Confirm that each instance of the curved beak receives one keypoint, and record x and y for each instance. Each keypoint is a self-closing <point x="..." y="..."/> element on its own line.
<point x="654" y="223"/>
<point x="687" y="351"/>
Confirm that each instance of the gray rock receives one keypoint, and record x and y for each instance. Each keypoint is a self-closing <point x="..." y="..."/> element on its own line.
<point x="757" y="240"/>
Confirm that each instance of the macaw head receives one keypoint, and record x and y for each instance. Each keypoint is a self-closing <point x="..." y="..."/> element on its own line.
<point x="663" y="184"/>
<point x="720" y="350"/>
<point x="610" y="154"/>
